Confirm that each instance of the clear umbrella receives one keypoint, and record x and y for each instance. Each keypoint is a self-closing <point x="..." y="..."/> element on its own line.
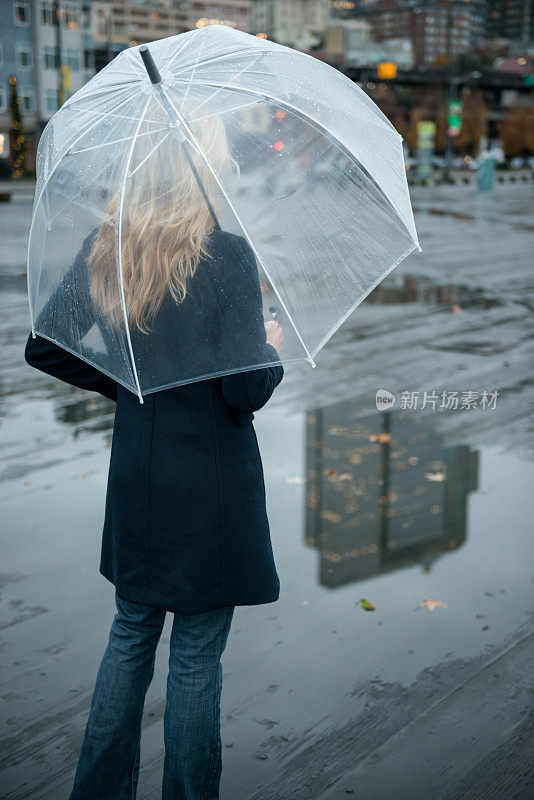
<point x="198" y="187"/>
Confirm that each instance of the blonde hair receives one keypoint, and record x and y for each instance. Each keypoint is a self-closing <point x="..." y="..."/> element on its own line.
<point x="165" y="223"/>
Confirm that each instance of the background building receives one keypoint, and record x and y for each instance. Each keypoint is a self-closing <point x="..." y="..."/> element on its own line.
<point x="16" y="58"/>
<point x="510" y="19"/>
<point x="116" y="24"/>
<point x="350" y="42"/>
<point x="59" y="30"/>
<point x="235" y="13"/>
<point x="438" y="29"/>
<point x="295" y="23"/>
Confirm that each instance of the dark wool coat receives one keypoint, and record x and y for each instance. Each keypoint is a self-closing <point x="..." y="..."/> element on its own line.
<point x="186" y="526"/>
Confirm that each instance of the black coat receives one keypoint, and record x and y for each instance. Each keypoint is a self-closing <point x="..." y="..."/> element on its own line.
<point x="186" y="526"/>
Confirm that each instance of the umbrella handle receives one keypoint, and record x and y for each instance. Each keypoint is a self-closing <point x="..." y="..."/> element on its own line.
<point x="150" y="64"/>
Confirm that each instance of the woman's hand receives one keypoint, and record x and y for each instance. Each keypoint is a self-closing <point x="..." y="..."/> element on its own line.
<point x="275" y="335"/>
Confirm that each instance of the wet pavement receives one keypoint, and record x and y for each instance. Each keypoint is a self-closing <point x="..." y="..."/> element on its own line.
<point x="322" y="699"/>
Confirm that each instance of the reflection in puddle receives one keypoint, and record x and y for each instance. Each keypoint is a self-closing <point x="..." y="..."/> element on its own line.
<point x="96" y="413"/>
<point x="383" y="491"/>
<point x="420" y="288"/>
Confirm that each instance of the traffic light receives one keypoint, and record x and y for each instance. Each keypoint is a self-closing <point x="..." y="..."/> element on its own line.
<point x="454" y="117"/>
<point x="387" y="70"/>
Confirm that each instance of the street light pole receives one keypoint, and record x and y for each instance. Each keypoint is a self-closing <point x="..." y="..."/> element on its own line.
<point x="450" y="97"/>
<point x="453" y="83"/>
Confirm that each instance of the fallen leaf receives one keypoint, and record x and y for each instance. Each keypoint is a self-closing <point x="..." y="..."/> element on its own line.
<point x="366" y="605"/>
<point x="437" y="477"/>
<point x="381" y="438"/>
<point x="432" y="604"/>
<point x="456" y="308"/>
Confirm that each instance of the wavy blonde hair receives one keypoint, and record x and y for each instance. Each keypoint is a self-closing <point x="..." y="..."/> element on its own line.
<point x="165" y="223"/>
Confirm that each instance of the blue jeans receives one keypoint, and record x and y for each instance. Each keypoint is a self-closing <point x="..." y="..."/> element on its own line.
<point x="108" y="767"/>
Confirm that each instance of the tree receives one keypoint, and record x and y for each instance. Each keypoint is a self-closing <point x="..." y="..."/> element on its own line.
<point x="516" y="130"/>
<point x="16" y="135"/>
<point x="474" y="121"/>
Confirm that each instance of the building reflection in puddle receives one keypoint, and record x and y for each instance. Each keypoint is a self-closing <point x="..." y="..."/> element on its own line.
<point x="86" y="413"/>
<point x="383" y="491"/>
<point x="405" y="288"/>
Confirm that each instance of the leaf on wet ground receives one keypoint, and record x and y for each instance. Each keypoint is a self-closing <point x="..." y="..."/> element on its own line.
<point x="436" y="477"/>
<point x="432" y="604"/>
<point x="381" y="438"/>
<point x="365" y="604"/>
<point x="333" y="476"/>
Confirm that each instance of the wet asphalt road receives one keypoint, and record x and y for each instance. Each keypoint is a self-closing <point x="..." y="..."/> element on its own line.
<point x="320" y="696"/>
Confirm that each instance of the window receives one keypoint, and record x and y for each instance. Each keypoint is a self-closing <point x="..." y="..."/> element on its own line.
<point x="21" y="12"/>
<point x="23" y="56"/>
<point x="3" y="104"/>
<point x="27" y="97"/>
<point x="50" y="57"/>
<point x="73" y="60"/>
<point x="47" y="13"/>
<point x="52" y="100"/>
<point x="70" y="16"/>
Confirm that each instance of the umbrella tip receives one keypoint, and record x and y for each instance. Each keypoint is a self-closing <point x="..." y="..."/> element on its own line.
<point x="150" y="64"/>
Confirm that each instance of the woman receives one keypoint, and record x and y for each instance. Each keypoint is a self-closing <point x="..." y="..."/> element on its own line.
<point x="185" y="528"/>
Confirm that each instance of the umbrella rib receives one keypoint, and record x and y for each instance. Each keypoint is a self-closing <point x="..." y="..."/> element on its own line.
<point x="177" y="53"/>
<point x="38" y="201"/>
<point x="227" y="55"/>
<point x="102" y="114"/>
<point x="218" y="113"/>
<point x="115" y="141"/>
<point x="362" y="297"/>
<point x="120" y="87"/>
<point x="118" y="246"/>
<point x="222" y="86"/>
<point x="130" y="56"/>
<point x="191" y="78"/>
<point x="313" y="123"/>
<point x="198" y="147"/>
<point x="149" y="154"/>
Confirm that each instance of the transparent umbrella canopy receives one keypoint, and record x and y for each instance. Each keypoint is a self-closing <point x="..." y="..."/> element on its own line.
<point x="276" y="152"/>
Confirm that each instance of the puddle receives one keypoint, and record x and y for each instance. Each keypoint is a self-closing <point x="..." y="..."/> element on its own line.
<point x="383" y="492"/>
<point x="464" y="216"/>
<point x="400" y="288"/>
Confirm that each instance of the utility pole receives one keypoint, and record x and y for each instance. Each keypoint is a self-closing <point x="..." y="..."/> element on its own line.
<point x="57" y="17"/>
<point x="109" y="36"/>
